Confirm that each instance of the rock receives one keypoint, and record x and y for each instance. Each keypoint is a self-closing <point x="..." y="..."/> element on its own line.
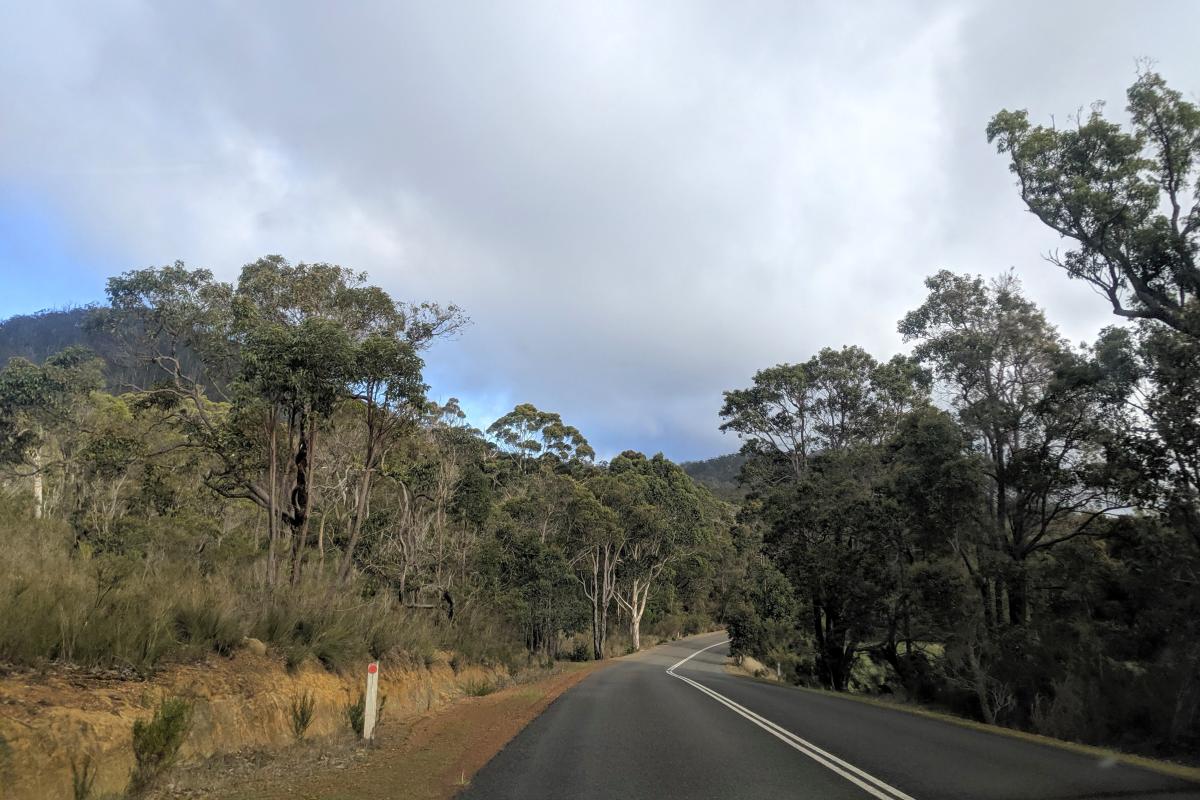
<point x="254" y="646"/>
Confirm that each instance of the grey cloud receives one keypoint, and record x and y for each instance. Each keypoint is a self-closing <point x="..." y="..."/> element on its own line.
<point x="639" y="203"/>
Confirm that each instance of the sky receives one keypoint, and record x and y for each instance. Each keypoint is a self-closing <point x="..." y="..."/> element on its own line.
<point x="639" y="204"/>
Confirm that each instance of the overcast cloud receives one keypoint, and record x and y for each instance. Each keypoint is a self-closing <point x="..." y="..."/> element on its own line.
<point x="639" y="204"/>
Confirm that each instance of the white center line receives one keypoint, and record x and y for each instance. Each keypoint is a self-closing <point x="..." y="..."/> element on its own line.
<point x="865" y="781"/>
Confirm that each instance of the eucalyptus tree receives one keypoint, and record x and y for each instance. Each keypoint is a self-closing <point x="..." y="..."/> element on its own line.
<point x="529" y="435"/>
<point x="387" y="385"/>
<point x="834" y="400"/>
<point x="38" y="401"/>
<point x="1033" y="410"/>
<point x="550" y="488"/>
<point x="430" y="507"/>
<point x="532" y="555"/>
<point x="297" y="376"/>
<point x="1129" y="200"/>
<point x="934" y="486"/>
<point x="254" y="371"/>
<point x="1153" y="374"/>
<point x="596" y="544"/>
<point x="815" y="432"/>
<point x="665" y="520"/>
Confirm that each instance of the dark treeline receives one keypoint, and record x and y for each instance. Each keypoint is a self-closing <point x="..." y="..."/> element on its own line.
<point x="262" y="461"/>
<point x="999" y="522"/>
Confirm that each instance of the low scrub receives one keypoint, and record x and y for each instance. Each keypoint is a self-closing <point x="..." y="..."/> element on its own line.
<point x="156" y="742"/>
<point x="356" y="713"/>
<point x="83" y="778"/>
<point x="62" y="603"/>
<point x="302" y="712"/>
<point x="479" y="688"/>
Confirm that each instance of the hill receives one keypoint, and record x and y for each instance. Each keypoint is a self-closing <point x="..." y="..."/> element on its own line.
<point x="719" y="474"/>
<point x="42" y="334"/>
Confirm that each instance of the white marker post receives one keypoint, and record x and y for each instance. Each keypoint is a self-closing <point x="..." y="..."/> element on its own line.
<point x="371" y="703"/>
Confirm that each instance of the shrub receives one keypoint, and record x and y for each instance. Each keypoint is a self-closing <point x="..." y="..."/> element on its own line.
<point x="208" y="625"/>
<point x="322" y="620"/>
<point x="156" y="742"/>
<point x="136" y="609"/>
<point x="302" y="714"/>
<point x="479" y="688"/>
<point x="83" y="778"/>
<point x="356" y="713"/>
<point x="102" y="610"/>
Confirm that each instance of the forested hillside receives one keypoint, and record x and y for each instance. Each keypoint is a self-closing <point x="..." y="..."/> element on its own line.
<point x="720" y="475"/>
<point x="36" y="337"/>
<point x="1026" y="548"/>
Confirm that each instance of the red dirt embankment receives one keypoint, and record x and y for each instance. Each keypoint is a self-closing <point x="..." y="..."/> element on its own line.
<point x="49" y="720"/>
<point x="431" y="757"/>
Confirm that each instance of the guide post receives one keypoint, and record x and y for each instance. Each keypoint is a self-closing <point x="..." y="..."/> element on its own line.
<point x="371" y="702"/>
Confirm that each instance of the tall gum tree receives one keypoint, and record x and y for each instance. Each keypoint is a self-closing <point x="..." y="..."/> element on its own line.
<point x="597" y="543"/>
<point x="1129" y="200"/>
<point x="814" y="433"/>
<point x="35" y="402"/>
<point x="254" y="371"/>
<point x="1032" y="411"/>
<point x="665" y="519"/>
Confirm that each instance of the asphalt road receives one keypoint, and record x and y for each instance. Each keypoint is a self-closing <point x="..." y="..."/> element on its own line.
<point x="635" y="730"/>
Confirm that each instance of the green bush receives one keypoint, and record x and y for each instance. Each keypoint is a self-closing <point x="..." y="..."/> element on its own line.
<point x="321" y="620"/>
<point x="94" y="611"/>
<point x="479" y="688"/>
<point x="303" y="708"/>
<point x="356" y="713"/>
<point x="480" y="638"/>
<point x="580" y="650"/>
<point x="156" y="742"/>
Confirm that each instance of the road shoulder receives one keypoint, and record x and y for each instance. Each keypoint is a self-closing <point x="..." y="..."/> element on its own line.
<point x="1168" y="768"/>
<point x="431" y="757"/>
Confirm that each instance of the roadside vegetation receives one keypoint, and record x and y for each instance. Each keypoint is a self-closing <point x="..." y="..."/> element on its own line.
<point x="259" y="460"/>
<point x="1001" y="522"/>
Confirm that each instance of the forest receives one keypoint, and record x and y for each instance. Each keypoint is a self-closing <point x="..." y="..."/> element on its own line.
<point x="281" y="474"/>
<point x="997" y="522"/>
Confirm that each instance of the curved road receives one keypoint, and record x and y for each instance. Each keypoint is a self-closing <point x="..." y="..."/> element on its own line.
<point x="671" y="723"/>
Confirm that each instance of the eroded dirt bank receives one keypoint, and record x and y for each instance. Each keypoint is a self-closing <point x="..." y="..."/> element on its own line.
<point x="50" y="720"/>
<point x="431" y="757"/>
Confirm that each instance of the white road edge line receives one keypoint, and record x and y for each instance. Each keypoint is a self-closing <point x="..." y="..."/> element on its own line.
<point x="858" y="777"/>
